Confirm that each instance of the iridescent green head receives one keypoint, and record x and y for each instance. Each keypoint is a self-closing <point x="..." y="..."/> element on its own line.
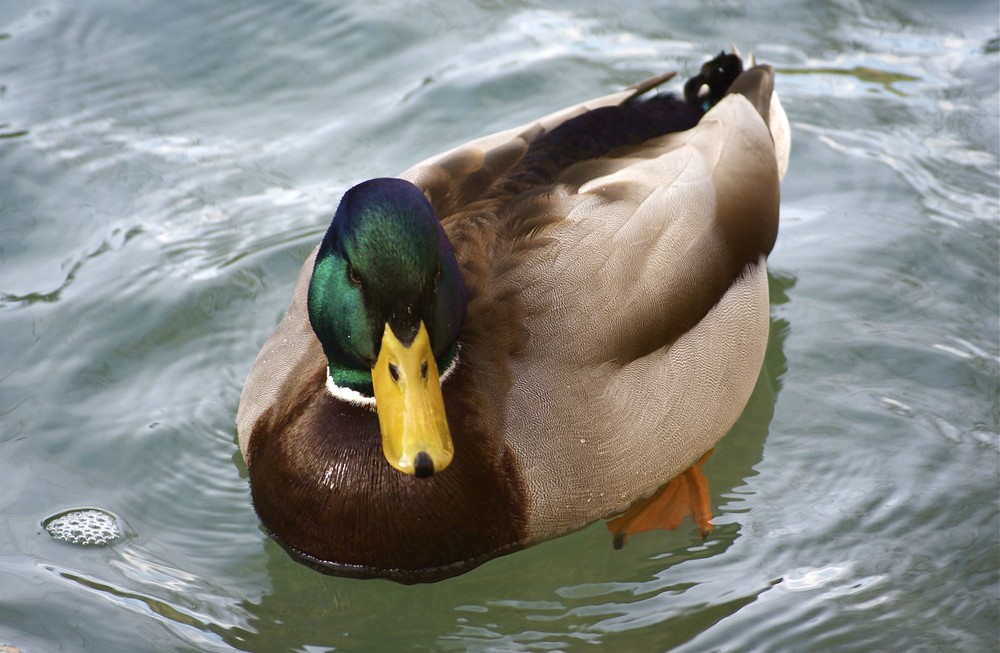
<point x="386" y="301"/>
<point x="385" y="260"/>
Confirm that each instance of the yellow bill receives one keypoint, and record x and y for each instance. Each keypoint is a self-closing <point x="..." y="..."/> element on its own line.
<point x="415" y="436"/>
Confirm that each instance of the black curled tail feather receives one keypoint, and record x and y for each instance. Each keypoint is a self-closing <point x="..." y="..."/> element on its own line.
<point x="597" y="133"/>
<point x="718" y="74"/>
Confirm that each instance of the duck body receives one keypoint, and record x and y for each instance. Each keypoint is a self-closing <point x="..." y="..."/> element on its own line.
<point x="594" y="302"/>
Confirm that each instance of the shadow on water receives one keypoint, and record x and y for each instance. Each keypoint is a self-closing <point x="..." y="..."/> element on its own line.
<point x="569" y="590"/>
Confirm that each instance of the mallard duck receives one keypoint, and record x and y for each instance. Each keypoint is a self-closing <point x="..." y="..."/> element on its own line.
<point x="522" y="335"/>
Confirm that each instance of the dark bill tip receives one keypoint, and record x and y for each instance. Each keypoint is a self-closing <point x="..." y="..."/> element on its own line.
<point x="423" y="466"/>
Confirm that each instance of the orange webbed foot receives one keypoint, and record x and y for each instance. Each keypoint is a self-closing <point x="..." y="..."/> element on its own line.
<point x="686" y="494"/>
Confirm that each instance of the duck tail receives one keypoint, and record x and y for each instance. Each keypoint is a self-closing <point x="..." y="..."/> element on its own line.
<point x="705" y="89"/>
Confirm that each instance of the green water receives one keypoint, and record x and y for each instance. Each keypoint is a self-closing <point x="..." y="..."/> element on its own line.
<point x="166" y="166"/>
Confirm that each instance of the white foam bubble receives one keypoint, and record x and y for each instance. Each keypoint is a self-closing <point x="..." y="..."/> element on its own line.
<point x="84" y="527"/>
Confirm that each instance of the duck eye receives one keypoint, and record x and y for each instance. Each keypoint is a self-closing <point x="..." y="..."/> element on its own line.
<point x="353" y="276"/>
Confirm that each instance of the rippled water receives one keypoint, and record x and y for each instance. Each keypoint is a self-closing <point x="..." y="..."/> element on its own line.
<point x="165" y="167"/>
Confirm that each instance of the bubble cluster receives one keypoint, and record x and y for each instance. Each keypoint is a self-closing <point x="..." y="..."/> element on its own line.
<point x="84" y="527"/>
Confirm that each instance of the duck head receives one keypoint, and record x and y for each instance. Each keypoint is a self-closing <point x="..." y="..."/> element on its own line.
<point x="386" y="301"/>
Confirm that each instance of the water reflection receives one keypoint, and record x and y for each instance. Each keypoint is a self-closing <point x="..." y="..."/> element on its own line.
<point x="884" y="78"/>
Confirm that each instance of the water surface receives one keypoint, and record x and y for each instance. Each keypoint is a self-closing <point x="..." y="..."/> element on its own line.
<point x="165" y="168"/>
